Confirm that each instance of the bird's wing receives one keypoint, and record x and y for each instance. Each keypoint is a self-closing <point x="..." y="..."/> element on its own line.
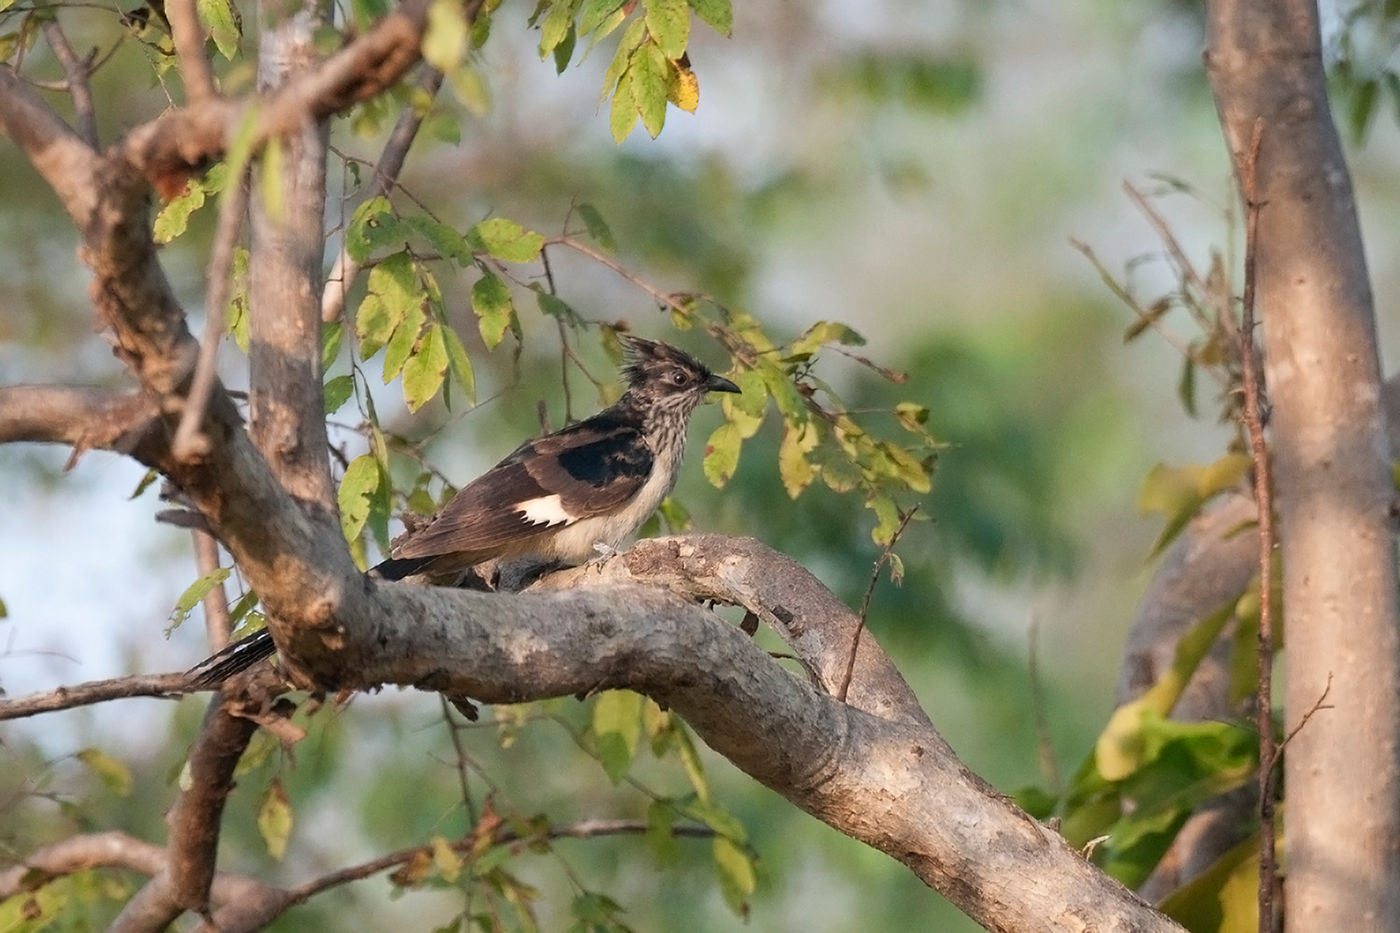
<point x="588" y="469"/>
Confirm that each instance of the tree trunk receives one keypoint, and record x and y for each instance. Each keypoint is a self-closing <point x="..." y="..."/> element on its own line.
<point x="1331" y="467"/>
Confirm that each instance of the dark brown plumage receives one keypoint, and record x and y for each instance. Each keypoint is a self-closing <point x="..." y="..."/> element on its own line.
<point x="562" y="497"/>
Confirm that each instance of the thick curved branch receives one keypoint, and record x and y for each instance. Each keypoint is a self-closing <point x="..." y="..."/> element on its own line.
<point x="780" y="591"/>
<point x="887" y="780"/>
<point x="83" y="417"/>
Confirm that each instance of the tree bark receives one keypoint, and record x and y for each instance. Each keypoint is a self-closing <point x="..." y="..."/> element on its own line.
<point x="1331" y="457"/>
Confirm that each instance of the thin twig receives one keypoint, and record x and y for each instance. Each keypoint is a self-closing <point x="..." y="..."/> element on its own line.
<point x="188" y="38"/>
<point x="462" y="759"/>
<point x="94" y="691"/>
<point x="217" y="621"/>
<point x="865" y="601"/>
<point x="1048" y="766"/>
<point x="386" y="177"/>
<point x="662" y="298"/>
<point x="1263" y="498"/>
<point x="76" y="73"/>
<point x="584" y="829"/>
<point x="187" y="442"/>
<point x="1164" y="233"/>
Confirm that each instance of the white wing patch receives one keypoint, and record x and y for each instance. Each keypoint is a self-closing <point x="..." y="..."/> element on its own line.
<point x="545" y="510"/>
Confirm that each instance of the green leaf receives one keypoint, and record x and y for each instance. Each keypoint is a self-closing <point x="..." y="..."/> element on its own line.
<point x="275" y="818"/>
<point x="506" y="240"/>
<point x="445" y="39"/>
<point x="331" y="336"/>
<point x="402" y="343"/>
<point x="660" y="837"/>
<point x="494" y="308"/>
<point x="564" y="51"/>
<point x="821" y="333"/>
<point x="358" y="489"/>
<point x="617" y="726"/>
<point x="621" y="60"/>
<point x="555" y="306"/>
<point x="593" y="14"/>
<point x="337" y="392"/>
<point x="623" y="115"/>
<point x="174" y="217"/>
<point x="887" y="514"/>
<point x="1223" y="898"/>
<point x="735" y="868"/>
<point x="444" y="240"/>
<point x="393" y="294"/>
<point x="1179" y="492"/>
<point x="650" y="73"/>
<point x="557" y="23"/>
<point x="373" y="226"/>
<point x="597" y="227"/>
<point x="785" y="395"/>
<point x="1120" y="748"/>
<point x="470" y="88"/>
<point x="459" y="364"/>
<point x="113" y="773"/>
<point x="668" y="21"/>
<point x="722" y="454"/>
<point x="195" y="593"/>
<point x="719" y="14"/>
<point x="424" y="371"/>
<point x="595" y="912"/>
<point x="223" y="23"/>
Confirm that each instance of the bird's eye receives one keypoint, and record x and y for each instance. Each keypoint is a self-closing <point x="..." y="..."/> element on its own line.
<point x="678" y="377"/>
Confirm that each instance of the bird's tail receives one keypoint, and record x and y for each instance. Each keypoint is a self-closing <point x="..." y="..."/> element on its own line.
<point x="234" y="659"/>
<point x="247" y="651"/>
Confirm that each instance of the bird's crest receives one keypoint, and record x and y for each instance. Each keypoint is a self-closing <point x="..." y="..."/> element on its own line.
<point x="647" y="360"/>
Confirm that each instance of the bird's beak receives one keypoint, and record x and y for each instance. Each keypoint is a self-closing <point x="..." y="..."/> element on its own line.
<point x="720" y="384"/>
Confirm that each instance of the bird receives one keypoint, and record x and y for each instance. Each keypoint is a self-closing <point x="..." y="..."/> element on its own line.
<point x="562" y="498"/>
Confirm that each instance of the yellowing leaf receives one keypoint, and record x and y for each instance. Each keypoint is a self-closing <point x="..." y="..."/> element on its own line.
<point x="114" y="774"/>
<point x="1179" y="492"/>
<point x="684" y="89"/>
<point x="506" y="240"/>
<point x="793" y="467"/>
<point x="1118" y="751"/>
<point x="735" y="870"/>
<point x="361" y="482"/>
<point x="617" y="728"/>
<point x="275" y="819"/>
<point x="447" y="862"/>
<point x="445" y="40"/>
<point x="722" y="454"/>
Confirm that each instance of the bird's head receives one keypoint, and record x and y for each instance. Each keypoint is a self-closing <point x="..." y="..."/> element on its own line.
<point x="660" y="374"/>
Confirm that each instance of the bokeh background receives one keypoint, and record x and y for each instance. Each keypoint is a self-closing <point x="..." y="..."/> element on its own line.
<point x="914" y="169"/>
